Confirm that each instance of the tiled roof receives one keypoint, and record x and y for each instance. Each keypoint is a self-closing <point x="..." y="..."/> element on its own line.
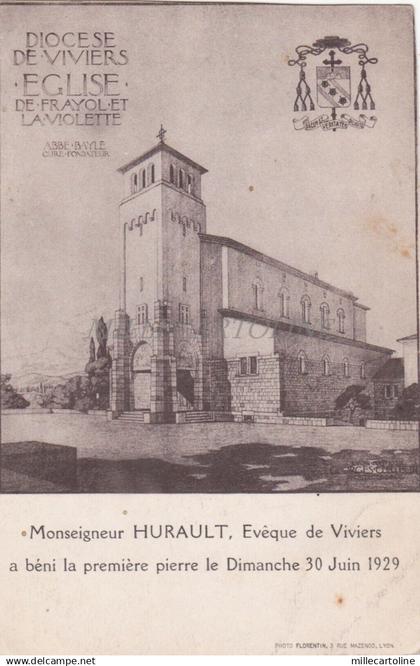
<point x="408" y="337"/>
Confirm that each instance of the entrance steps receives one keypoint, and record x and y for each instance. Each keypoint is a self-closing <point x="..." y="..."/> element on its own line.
<point x="203" y="417"/>
<point x="198" y="417"/>
<point x="131" y="417"/>
<point x="178" y="417"/>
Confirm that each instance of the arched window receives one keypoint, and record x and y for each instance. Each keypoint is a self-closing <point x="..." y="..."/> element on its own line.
<point x="257" y="294"/>
<point x="325" y="315"/>
<point x="306" y="309"/>
<point x="302" y="363"/>
<point x="189" y="184"/>
<point x="362" y="371"/>
<point x="133" y="183"/>
<point x="152" y="173"/>
<point x="143" y="177"/>
<point x="172" y="177"/>
<point x="341" y="317"/>
<point x="142" y="314"/>
<point x="181" y="179"/>
<point x="346" y="367"/>
<point x="284" y="302"/>
<point x="326" y="366"/>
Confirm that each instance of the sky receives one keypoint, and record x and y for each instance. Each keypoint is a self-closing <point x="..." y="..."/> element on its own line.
<point x="339" y="203"/>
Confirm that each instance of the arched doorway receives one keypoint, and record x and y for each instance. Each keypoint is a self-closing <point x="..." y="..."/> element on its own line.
<point x="185" y="378"/>
<point x="141" y="369"/>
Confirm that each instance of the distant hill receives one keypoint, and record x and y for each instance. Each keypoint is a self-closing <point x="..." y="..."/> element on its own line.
<point x="33" y="379"/>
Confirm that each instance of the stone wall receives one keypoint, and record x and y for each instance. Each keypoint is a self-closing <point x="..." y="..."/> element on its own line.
<point x="259" y="393"/>
<point x="313" y="393"/>
<point x="392" y="425"/>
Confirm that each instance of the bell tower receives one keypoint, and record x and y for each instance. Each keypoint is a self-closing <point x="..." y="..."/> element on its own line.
<point x="161" y="217"/>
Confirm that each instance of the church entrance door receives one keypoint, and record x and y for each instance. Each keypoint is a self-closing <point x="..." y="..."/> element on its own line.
<point x="185" y="389"/>
<point x="142" y="390"/>
<point x="141" y="369"/>
<point x="185" y="377"/>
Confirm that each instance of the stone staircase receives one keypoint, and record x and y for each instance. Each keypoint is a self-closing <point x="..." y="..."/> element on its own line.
<point x="203" y="417"/>
<point x="198" y="417"/>
<point x="181" y="417"/>
<point x="131" y="417"/>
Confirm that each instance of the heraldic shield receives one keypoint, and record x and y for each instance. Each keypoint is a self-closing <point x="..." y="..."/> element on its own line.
<point x="333" y="84"/>
<point x="333" y="87"/>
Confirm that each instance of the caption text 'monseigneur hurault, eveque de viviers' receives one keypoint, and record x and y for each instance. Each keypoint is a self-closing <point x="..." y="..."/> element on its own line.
<point x="219" y="531"/>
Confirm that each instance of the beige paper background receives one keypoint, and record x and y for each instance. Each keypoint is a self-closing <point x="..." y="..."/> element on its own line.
<point x="215" y="613"/>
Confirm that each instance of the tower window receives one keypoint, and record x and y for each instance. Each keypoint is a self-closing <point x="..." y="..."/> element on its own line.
<point x="141" y="284"/>
<point x="152" y="173"/>
<point x="189" y="184"/>
<point x="143" y="177"/>
<point x="184" y="314"/>
<point x="172" y="174"/>
<point x="181" y="179"/>
<point x="142" y="314"/>
<point x="184" y="284"/>
<point x="326" y="366"/>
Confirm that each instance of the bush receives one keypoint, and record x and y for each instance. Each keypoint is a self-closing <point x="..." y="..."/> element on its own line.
<point x="353" y="405"/>
<point x="98" y="374"/>
<point x="65" y="396"/>
<point x="10" y="398"/>
<point x="408" y="406"/>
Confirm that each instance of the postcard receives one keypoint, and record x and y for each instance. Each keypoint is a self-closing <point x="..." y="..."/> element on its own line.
<point x="209" y="328"/>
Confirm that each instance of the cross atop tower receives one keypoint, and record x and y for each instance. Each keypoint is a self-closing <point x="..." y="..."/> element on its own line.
<point x="161" y="134"/>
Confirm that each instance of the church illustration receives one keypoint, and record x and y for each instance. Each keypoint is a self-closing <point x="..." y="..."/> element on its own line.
<point x="211" y="329"/>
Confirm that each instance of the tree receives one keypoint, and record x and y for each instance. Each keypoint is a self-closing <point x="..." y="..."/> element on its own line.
<point x="90" y="391"/>
<point x="10" y="398"/>
<point x="353" y="405"/>
<point x="102" y="338"/>
<point x="98" y="371"/>
<point x="92" y="353"/>
<point x="75" y="393"/>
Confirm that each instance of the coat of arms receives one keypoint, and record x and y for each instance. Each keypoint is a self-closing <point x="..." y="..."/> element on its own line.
<point x="332" y="78"/>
